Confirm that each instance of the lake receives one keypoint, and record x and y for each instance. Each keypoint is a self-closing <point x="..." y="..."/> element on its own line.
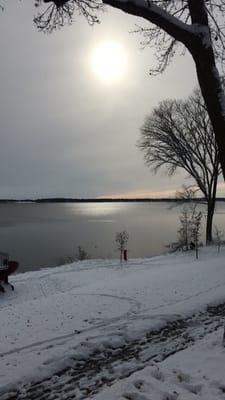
<point x="40" y="235"/>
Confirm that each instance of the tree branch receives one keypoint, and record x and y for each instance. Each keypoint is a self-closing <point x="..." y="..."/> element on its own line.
<point x="156" y="15"/>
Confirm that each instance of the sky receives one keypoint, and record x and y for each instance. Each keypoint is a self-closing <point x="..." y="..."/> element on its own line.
<point x="67" y="129"/>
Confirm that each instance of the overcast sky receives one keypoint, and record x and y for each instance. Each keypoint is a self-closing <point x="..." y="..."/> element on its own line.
<point x="66" y="132"/>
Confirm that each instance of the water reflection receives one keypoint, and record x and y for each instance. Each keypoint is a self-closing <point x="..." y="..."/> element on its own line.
<point x="96" y="209"/>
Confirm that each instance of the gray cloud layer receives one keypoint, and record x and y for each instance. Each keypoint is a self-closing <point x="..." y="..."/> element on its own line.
<point x="65" y="133"/>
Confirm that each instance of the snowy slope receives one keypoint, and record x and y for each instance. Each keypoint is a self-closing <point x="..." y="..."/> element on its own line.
<point x="69" y="310"/>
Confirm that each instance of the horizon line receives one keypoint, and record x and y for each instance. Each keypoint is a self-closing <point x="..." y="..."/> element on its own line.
<point x="101" y="200"/>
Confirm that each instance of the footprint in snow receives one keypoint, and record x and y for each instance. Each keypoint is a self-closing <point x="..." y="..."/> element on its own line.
<point x="157" y="374"/>
<point x="134" y="396"/>
<point x="182" y="377"/>
<point x="195" y="389"/>
<point x="138" y="384"/>
<point x="170" y="396"/>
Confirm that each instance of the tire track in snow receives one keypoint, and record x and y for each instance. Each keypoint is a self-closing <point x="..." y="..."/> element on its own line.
<point x="87" y="377"/>
<point x="135" y="306"/>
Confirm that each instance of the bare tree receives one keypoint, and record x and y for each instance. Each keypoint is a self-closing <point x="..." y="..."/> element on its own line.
<point x="196" y="25"/>
<point x="178" y="134"/>
<point x="195" y="230"/>
<point x="218" y="237"/>
<point x="184" y="232"/>
<point x="59" y="12"/>
<point x="121" y="241"/>
<point x="190" y="221"/>
<point x="187" y="197"/>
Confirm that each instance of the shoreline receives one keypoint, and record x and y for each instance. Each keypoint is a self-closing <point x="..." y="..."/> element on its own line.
<point x="104" y="200"/>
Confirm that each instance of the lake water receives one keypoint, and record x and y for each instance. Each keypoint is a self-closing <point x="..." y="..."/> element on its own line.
<point x="40" y="235"/>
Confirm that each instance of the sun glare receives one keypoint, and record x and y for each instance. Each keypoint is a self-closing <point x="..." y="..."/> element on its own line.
<point x="109" y="62"/>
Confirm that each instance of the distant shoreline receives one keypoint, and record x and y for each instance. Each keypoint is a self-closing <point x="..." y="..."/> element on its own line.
<point x="102" y="200"/>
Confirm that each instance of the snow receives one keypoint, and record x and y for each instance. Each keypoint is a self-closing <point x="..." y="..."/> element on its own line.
<point x="220" y="90"/>
<point x="193" y="374"/>
<point x="71" y="311"/>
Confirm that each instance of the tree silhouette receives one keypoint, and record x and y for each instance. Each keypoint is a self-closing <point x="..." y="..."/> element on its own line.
<point x="178" y="134"/>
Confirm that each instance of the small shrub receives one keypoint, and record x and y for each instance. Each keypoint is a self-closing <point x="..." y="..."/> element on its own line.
<point x="121" y="241"/>
<point x="218" y="237"/>
<point x="81" y="254"/>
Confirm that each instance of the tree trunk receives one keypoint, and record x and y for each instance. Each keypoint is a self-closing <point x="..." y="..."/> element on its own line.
<point x="196" y="250"/>
<point x="211" y="207"/>
<point x="209" y="220"/>
<point x="212" y="92"/>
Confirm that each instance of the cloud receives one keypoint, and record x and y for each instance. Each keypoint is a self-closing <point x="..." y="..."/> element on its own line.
<point x="64" y="132"/>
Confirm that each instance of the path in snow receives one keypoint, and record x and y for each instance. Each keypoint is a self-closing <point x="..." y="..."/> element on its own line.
<point x="86" y="377"/>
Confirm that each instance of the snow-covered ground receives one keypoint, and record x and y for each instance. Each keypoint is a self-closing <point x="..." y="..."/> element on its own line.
<point x="196" y="373"/>
<point x="70" y="311"/>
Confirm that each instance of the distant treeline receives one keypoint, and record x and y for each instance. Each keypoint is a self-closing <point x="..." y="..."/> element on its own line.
<point x="102" y="200"/>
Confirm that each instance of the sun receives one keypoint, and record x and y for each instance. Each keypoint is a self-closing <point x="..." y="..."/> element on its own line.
<point x="109" y="62"/>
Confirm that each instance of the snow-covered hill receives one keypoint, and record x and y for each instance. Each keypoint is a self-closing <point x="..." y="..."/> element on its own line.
<point x="55" y="315"/>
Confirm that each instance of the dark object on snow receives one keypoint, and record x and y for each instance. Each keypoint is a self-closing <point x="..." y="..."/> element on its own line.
<point x="125" y="255"/>
<point x="192" y="246"/>
<point x="7" y="267"/>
